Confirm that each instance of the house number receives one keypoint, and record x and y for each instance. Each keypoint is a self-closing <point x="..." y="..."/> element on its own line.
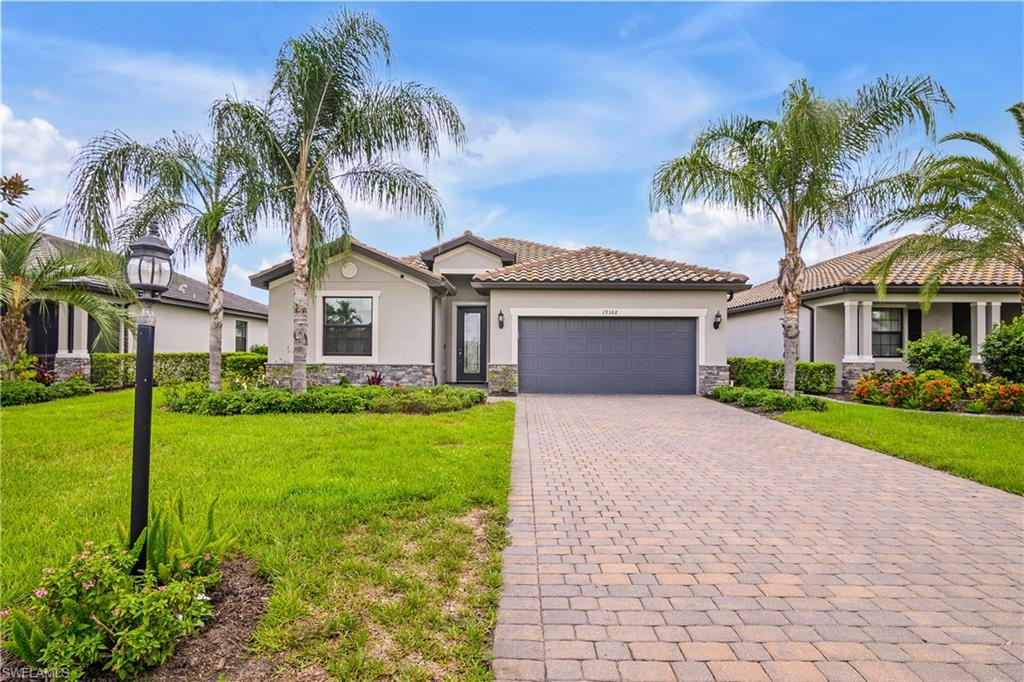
<point x="609" y="312"/>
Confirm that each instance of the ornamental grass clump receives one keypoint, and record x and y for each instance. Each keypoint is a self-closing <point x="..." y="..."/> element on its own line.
<point x="93" y="614"/>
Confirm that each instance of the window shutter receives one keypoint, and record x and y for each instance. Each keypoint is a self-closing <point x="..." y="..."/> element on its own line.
<point x="913" y="324"/>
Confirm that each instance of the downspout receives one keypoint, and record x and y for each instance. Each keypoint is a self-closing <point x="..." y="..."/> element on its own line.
<point x="813" y="315"/>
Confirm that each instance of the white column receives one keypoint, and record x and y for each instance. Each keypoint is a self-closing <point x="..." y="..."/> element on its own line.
<point x="62" y="329"/>
<point x="978" y="329"/>
<point x="850" y="352"/>
<point x="80" y="333"/>
<point x="995" y="308"/>
<point x="866" y="352"/>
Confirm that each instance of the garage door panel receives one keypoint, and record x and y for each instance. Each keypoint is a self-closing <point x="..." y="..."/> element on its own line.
<point x="607" y="355"/>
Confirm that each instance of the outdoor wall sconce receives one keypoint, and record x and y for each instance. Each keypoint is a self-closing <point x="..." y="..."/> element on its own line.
<point x="501" y="320"/>
<point x="718" y="319"/>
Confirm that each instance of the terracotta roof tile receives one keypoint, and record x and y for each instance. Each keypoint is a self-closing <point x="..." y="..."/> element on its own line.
<point x="850" y="269"/>
<point x="597" y="264"/>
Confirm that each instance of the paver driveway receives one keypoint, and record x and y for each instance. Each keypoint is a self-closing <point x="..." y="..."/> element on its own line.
<point x="660" y="538"/>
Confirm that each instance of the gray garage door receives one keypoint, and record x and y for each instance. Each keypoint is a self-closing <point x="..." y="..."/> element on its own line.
<point x="607" y="355"/>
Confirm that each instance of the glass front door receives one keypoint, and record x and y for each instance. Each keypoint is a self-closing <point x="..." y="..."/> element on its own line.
<point x="471" y="345"/>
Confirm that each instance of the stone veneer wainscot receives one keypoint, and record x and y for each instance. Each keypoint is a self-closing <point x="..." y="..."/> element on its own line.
<point x="279" y="374"/>
<point x="710" y="376"/>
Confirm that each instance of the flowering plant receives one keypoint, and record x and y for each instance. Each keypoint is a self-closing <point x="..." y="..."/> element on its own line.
<point x="901" y="391"/>
<point x="1004" y="397"/>
<point x="939" y="394"/>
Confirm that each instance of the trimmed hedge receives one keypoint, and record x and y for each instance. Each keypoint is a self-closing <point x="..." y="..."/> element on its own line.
<point x="23" y="391"/>
<point x="767" y="400"/>
<point x="117" y="370"/>
<point x="811" y="377"/>
<point x="195" y="398"/>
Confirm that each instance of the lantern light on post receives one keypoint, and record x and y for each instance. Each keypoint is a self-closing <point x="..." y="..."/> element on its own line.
<point x="718" y="319"/>
<point x="501" y="320"/>
<point x="149" y="273"/>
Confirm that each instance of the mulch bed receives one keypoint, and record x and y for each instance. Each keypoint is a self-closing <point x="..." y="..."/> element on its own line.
<point x="217" y="652"/>
<point x="219" y="649"/>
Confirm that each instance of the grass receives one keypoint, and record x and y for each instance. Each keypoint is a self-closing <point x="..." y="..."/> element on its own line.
<point x="381" y="533"/>
<point x="984" y="449"/>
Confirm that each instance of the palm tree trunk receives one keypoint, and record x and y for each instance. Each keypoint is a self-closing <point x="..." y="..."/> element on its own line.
<point x="14" y="335"/>
<point x="791" y="277"/>
<point x="216" y="265"/>
<point x="300" y="296"/>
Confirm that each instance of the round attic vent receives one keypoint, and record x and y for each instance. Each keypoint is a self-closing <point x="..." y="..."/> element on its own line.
<point x="349" y="270"/>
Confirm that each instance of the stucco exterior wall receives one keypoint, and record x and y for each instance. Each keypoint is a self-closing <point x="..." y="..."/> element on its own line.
<point x="712" y="343"/>
<point x="466" y="259"/>
<point x="758" y="334"/>
<point x="401" y="317"/>
<point x="180" y="329"/>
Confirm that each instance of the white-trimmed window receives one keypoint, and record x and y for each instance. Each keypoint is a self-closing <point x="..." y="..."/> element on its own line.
<point x="241" y="335"/>
<point x="347" y="326"/>
<point x="886" y="332"/>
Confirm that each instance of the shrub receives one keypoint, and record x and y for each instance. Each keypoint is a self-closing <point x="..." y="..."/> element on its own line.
<point x="767" y="400"/>
<point x="195" y="398"/>
<point x="113" y="370"/>
<point x="811" y="377"/>
<point x="24" y="368"/>
<point x="244" y="368"/>
<point x="75" y="386"/>
<point x="259" y="349"/>
<point x="21" y="392"/>
<point x="939" y="393"/>
<point x="1004" y="397"/>
<point x="93" y="613"/>
<point x="901" y="391"/>
<point x="868" y="390"/>
<point x="1003" y="350"/>
<point x="975" y="407"/>
<point x="935" y="350"/>
<point x="117" y="370"/>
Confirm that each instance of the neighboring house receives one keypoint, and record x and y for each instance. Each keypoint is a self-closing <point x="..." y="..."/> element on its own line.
<point x="843" y="320"/>
<point x="515" y="315"/>
<point x="65" y="337"/>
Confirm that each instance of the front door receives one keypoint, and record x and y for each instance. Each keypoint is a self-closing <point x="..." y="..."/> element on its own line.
<point x="471" y="344"/>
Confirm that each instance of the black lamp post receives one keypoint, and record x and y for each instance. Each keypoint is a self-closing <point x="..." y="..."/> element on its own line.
<point x="149" y="273"/>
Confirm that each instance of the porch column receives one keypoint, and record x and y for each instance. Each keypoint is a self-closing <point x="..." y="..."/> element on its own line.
<point x="979" y="329"/>
<point x="851" y="352"/>
<point x="62" y="329"/>
<point x="80" y="333"/>
<point x="995" y="314"/>
<point x="866" y="351"/>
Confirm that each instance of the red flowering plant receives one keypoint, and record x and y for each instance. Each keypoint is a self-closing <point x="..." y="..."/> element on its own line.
<point x="939" y="394"/>
<point x="867" y="391"/>
<point x="901" y="391"/>
<point x="1005" y="398"/>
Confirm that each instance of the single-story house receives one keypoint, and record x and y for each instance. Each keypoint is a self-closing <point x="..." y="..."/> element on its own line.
<point x="66" y="336"/>
<point x="514" y="315"/>
<point x="843" y="320"/>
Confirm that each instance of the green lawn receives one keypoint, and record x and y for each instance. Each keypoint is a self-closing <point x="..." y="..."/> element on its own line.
<point x="381" y="533"/>
<point x="989" y="450"/>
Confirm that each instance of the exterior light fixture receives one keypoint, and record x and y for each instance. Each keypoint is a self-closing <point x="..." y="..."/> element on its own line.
<point x="718" y="319"/>
<point x="149" y="272"/>
<point x="501" y="320"/>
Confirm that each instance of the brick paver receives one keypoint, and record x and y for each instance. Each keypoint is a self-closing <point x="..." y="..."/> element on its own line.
<point x="662" y="538"/>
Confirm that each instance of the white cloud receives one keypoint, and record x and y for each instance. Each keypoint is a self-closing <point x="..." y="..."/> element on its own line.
<point x="160" y="76"/>
<point x="40" y="153"/>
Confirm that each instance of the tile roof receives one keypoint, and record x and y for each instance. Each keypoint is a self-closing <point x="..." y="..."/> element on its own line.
<point x="183" y="290"/>
<point x="526" y="251"/>
<point x="850" y="269"/>
<point x="594" y="264"/>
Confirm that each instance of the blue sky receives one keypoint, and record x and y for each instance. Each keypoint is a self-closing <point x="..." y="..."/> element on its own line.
<point x="569" y="107"/>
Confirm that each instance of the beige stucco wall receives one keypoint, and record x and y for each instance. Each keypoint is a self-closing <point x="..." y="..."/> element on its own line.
<point x="402" y="314"/>
<point x="180" y="329"/>
<point x="467" y="259"/>
<point x="712" y="349"/>
<point x="758" y="334"/>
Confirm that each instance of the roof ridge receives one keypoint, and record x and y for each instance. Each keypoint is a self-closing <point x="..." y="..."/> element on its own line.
<point x="667" y="261"/>
<point x="528" y="241"/>
<point x="532" y="263"/>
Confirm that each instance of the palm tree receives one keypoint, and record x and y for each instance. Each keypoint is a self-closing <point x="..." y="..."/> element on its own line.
<point x="824" y="166"/>
<point x="328" y="131"/>
<point x="35" y="271"/>
<point x="203" y="192"/>
<point x="973" y="207"/>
